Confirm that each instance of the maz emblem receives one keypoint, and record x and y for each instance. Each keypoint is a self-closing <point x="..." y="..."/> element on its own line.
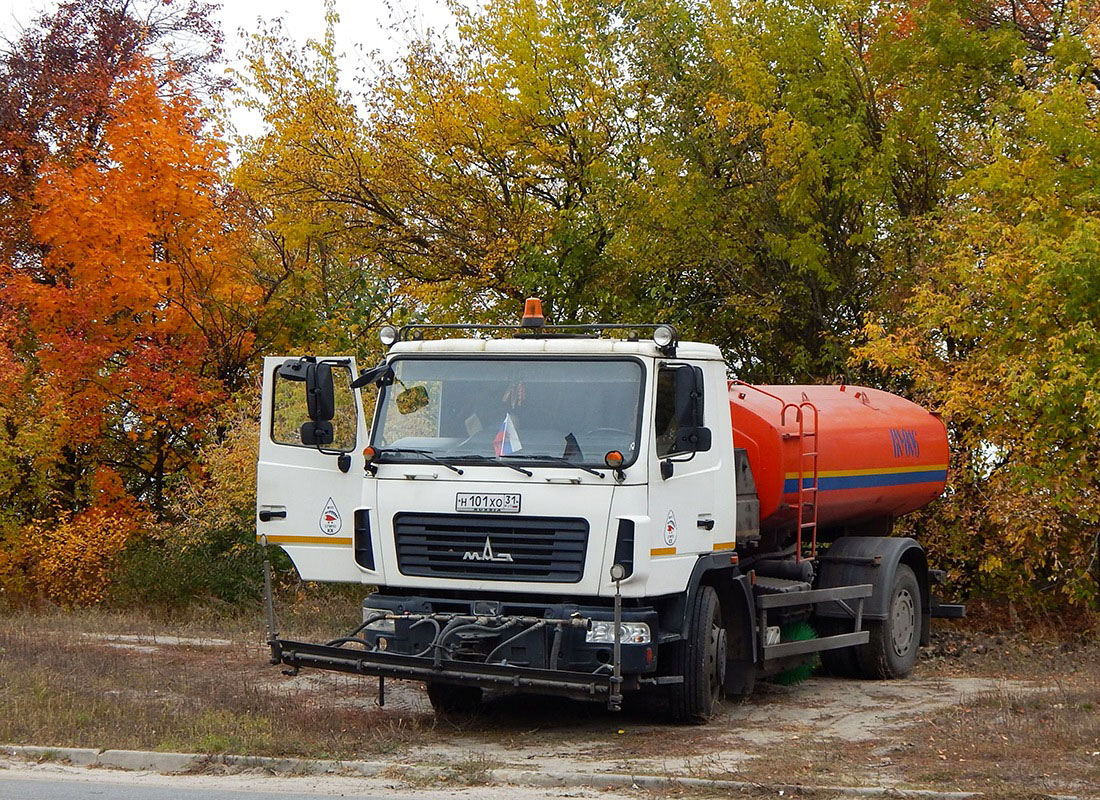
<point x="486" y="554"/>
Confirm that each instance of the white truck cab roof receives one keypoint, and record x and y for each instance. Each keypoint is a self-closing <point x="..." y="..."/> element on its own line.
<point x="556" y="346"/>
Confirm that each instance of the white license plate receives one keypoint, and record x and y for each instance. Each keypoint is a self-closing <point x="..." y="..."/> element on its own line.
<point x="491" y="503"/>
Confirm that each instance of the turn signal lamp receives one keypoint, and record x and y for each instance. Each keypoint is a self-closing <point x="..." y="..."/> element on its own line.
<point x="388" y="335"/>
<point x="613" y="459"/>
<point x="369" y="454"/>
<point x="532" y="314"/>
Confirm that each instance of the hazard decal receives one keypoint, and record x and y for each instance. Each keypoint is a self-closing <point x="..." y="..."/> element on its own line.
<point x="330" y="519"/>
<point x="670" y="529"/>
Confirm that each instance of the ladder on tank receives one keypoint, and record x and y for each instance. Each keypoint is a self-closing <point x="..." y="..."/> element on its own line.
<point x="806" y="514"/>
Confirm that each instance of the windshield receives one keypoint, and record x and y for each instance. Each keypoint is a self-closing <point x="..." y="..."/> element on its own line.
<point x="541" y="409"/>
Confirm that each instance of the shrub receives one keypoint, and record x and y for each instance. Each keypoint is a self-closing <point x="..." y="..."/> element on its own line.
<point x="68" y="562"/>
<point x="211" y="552"/>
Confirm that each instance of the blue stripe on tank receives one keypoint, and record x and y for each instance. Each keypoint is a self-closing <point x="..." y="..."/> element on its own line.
<point x="832" y="482"/>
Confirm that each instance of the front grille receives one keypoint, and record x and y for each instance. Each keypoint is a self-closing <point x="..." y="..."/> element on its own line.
<point x="544" y="549"/>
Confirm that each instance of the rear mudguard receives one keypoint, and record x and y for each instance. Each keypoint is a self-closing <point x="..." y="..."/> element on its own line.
<point x="874" y="560"/>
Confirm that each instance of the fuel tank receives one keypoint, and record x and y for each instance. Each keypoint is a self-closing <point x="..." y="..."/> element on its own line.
<point x="878" y="455"/>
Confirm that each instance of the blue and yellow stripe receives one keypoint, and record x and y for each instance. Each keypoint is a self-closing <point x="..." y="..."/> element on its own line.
<point x="868" y="478"/>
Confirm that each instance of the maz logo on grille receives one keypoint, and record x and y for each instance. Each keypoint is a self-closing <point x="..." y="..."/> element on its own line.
<point x="491" y="547"/>
<point x="486" y="554"/>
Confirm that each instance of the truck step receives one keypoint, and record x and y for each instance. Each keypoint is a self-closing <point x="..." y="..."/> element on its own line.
<point x="778" y="586"/>
<point x="806" y="595"/>
<point x="798" y="648"/>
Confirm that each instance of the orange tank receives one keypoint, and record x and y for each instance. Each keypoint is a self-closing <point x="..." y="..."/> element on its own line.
<point x="878" y="455"/>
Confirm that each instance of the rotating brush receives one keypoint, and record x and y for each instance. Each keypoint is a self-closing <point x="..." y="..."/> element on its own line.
<point x="797" y="632"/>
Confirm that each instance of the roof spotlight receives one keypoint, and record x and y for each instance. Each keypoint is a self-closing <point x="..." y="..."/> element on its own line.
<point x="388" y="335"/>
<point x="664" y="336"/>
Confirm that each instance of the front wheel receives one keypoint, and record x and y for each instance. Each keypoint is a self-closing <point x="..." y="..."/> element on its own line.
<point x="701" y="659"/>
<point x="449" y="699"/>
<point x="891" y="651"/>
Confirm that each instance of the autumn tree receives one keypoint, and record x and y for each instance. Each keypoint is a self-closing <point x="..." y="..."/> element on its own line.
<point x="479" y="171"/>
<point x="1002" y="332"/>
<point x="129" y="313"/>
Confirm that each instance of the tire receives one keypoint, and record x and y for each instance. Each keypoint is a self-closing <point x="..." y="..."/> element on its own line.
<point x="448" y="699"/>
<point x="701" y="659"/>
<point x="842" y="662"/>
<point x="892" y="649"/>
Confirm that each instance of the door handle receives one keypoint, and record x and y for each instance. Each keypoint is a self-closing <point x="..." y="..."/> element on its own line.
<point x="268" y="514"/>
<point x="705" y="524"/>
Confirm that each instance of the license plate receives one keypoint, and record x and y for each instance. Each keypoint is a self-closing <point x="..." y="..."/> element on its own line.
<point x="491" y="503"/>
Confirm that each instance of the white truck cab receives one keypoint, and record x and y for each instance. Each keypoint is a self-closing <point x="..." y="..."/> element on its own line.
<point x="507" y="434"/>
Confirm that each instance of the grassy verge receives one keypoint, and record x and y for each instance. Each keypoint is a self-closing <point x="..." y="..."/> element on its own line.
<point x="61" y="686"/>
<point x="157" y="681"/>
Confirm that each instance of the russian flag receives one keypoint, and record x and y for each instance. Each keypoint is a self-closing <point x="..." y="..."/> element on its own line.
<point x="507" y="439"/>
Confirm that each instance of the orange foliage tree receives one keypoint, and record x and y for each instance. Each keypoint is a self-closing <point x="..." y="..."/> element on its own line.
<point x="129" y="303"/>
<point x="127" y="322"/>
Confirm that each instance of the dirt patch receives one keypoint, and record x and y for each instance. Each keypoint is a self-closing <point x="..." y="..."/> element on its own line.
<point x="153" y="641"/>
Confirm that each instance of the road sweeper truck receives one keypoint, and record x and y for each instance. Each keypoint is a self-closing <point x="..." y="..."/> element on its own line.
<point x="594" y="511"/>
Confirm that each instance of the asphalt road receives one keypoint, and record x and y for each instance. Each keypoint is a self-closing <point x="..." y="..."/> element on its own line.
<point x="66" y="784"/>
<point x="57" y="788"/>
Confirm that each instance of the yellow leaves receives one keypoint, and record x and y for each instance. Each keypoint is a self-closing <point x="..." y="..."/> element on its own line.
<point x="991" y="565"/>
<point x="68" y="562"/>
<point x="740" y="119"/>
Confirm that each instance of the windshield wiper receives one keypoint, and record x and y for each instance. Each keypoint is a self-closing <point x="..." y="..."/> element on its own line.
<point x="428" y="454"/>
<point x="490" y="460"/>
<point x="565" y="462"/>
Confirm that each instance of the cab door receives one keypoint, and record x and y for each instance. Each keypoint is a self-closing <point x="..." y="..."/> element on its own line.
<point x="690" y="507"/>
<point x="307" y="495"/>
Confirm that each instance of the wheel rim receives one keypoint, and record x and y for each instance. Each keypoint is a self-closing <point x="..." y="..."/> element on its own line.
<point x="904" y="622"/>
<point x="718" y="672"/>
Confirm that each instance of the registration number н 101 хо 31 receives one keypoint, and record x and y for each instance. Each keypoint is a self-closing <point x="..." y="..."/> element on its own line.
<point x="503" y="503"/>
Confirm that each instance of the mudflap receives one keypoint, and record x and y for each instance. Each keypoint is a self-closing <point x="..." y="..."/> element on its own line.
<point x="576" y="685"/>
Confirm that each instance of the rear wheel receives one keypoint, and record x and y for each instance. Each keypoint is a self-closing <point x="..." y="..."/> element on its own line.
<point x="891" y="651"/>
<point x="449" y="699"/>
<point x="701" y="659"/>
<point x="840" y="662"/>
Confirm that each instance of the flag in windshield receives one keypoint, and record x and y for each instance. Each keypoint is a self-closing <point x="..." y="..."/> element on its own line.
<point x="507" y="438"/>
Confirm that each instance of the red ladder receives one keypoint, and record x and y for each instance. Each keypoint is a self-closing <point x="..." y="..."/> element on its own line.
<point x="806" y="516"/>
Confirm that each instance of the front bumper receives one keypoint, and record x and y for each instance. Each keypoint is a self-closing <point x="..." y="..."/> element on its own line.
<point x="578" y="685"/>
<point x="538" y="647"/>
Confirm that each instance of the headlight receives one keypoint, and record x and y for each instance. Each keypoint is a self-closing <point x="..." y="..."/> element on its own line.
<point x="603" y="632"/>
<point x="380" y="625"/>
<point x="664" y="335"/>
<point x="388" y="335"/>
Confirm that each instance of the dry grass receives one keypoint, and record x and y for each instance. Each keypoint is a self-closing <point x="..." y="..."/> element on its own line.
<point x="58" y="688"/>
<point x="1041" y="741"/>
<point x="305" y="611"/>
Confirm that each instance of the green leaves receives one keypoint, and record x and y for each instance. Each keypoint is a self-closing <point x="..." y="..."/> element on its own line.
<point x="1002" y="331"/>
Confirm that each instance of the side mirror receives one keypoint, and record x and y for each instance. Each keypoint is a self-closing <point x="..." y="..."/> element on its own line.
<point x="316" y="433"/>
<point x="688" y="388"/>
<point x="320" y="393"/>
<point x="691" y="436"/>
<point x="383" y="373"/>
<point x="693" y="440"/>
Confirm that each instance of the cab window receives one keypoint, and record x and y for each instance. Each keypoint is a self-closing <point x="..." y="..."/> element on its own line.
<point x="665" y="422"/>
<point x="671" y="413"/>
<point x="290" y="411"/>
